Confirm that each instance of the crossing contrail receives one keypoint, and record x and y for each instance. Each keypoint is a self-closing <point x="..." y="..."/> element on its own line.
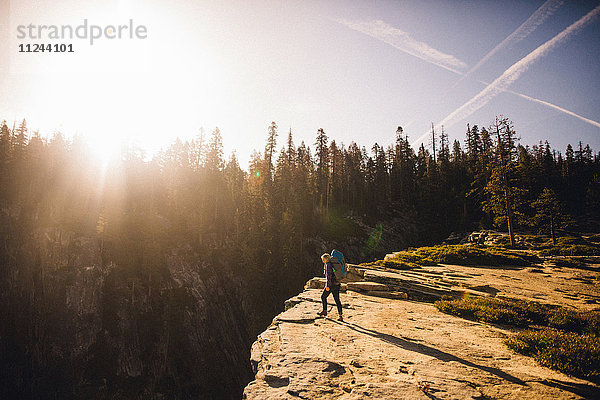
<point x="406" y="43"/>
<point x="530" y="25"/>
<point x="402" y="41"/>
<point x="502" y="83"/>
<point x="571" y="113"/>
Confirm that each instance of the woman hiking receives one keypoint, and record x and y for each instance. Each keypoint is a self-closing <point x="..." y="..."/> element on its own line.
<point x="332" y="286"/>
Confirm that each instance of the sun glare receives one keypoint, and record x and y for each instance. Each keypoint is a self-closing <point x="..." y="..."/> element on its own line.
<point x="105" y="150"/>
<point x="124" y="91"/>
<point x="119" y="92"/>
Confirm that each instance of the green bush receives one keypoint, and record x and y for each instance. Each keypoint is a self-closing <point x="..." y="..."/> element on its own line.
<point x="571" y="246"/>
<point x="569" y="262"/>
<point x="572" y="250"/>
<point x="565" y="319"/>
<point x="571" y="353"/>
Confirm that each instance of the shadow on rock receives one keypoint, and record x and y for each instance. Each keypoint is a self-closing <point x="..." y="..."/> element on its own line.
<point x="429" y="351"/>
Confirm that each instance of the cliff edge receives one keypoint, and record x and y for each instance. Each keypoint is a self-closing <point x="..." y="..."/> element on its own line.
<point x="390" y="346"/>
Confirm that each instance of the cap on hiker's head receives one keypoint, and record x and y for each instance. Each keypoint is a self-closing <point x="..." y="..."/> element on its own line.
<point x="326" y="257"/>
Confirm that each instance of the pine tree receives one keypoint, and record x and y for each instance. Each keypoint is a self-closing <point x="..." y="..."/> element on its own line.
<point x="457" y="153"/>
<point x="474" y="144"/>
<point x="402" y="170"/>
<point x="355" y="177"/>
<point x="234" y="176"/>
<point x="5" y="142"/>
<point x="198" y="151"/>
<point x="291" y="150"/>
<point x="214" y="156"/>
<point x="5" y="155"/>
<point x="433" y="142"/>
<point x="381" y="177"/>
<point x="270" y="150"/>
<point x="322" y="154"/>
<point x="569" y="153"/>
<point x="549" y="213"/>
<point x="504" y="196"/>
<point x="336" y="173"/>
<point x="422" y="162"/>
<point x="592" y="196"/>
<point x="579" y="153"/>
<point x="20" y="140"/>
<point x="444" y="154"/>
<point x="216" y="185"/>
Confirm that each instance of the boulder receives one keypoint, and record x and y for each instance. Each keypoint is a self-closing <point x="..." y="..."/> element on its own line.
<point x="367" y="287"/>
<point x="319" y="283"/>
<point x="355" y="273"/>
<point x="315" y="283"/>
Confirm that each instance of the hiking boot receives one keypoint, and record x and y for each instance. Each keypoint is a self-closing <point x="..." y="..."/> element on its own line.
<point x="322" y="314"/>
<point x="340" y="318"/>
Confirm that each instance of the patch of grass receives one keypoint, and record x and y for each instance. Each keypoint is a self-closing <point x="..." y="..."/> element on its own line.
<point x="571" y="246"/>
<point x="568" y="352"/>
<point x="569" y="340"/>
<point x="569" y="262"/>
<point x="394" y="264"/>
<point x="571" y="250"/>
<point x="521" y="313"/>
<point x="464" y="255"/>
<point x="511" y="312"/>
<point x="565" y="319"/>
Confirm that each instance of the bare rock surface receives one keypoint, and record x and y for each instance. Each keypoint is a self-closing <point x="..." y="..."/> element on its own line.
<point x="404" y="349"/>
<point x="577" y="288"/>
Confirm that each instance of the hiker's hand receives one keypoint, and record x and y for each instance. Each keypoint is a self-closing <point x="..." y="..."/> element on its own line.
<point x="327" y="288"/>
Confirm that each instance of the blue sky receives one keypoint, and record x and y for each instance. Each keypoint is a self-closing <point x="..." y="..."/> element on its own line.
<point x="356" y="69"/>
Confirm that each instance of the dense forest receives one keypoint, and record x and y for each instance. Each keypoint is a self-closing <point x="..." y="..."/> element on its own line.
<point x="265" y="227"/>
<point x="262" y="219"/>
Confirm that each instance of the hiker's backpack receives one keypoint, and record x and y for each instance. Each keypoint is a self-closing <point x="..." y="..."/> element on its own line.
<point x="339" y="265"/>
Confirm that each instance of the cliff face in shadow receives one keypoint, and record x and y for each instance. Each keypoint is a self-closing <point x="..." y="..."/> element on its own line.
<point x="77" y="326"/>
<point x="129" y="318"/>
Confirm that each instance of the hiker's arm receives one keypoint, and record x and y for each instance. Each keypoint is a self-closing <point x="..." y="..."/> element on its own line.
<point x="328" y="273"/>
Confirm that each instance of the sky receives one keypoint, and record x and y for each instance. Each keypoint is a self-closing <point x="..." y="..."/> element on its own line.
<point x="357" y="69"/>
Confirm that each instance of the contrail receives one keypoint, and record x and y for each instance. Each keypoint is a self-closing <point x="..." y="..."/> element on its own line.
<point x="536" y="19"/>
<point x="589" y="121"/>
<point x="403" y="41"/>
<point x="530" y="25"/>
<point x="514" y="72"/>
<point x="539" y="101"/>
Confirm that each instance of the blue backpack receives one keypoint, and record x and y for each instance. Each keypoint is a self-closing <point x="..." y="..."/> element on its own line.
<point x="339" y="264"/>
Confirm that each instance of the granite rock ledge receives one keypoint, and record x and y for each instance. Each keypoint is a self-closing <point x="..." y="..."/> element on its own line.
<point x="398" y="348"/>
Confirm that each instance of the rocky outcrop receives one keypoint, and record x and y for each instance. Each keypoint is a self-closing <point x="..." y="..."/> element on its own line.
<point x="406" y="349"/>
<point x="491" y="238"/>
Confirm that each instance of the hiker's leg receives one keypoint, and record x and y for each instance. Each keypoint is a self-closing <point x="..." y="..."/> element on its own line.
<point x="336" y="296"/>
<point x="324" y="299"/>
